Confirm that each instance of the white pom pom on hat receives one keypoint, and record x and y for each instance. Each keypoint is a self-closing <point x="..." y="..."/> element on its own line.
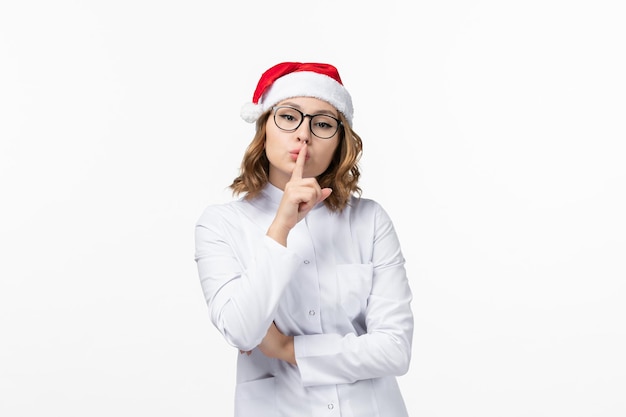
<point x="297" y="79"/>
<point x="250" y="112"/>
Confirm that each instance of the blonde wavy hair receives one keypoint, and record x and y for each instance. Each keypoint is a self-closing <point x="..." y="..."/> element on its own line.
<point x="342" y="175"/>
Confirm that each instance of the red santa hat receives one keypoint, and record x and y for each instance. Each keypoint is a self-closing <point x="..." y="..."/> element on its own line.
<point x="298" y="79"/>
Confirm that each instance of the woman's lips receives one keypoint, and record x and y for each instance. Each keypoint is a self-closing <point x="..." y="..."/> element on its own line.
<point x="294" y="155"/>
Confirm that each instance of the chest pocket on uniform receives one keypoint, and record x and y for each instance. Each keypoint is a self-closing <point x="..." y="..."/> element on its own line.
<point x="354" y="282"/>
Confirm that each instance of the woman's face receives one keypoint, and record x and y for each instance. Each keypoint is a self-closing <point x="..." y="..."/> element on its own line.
<point x="282" y="147"/>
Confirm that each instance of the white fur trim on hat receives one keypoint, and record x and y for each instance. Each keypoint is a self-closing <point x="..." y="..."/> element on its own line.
<point x="309" y="84"/>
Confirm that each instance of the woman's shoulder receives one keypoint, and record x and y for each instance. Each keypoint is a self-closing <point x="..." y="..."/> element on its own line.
<point x="364" y="204"/>
<point x="370" y="208"/>
<point x="220" y="211"/>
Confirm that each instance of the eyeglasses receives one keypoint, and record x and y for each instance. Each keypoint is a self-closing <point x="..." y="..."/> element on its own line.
<point x="322" y="125"/>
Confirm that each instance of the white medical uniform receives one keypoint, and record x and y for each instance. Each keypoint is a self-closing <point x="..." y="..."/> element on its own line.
<point x="339" y="287"/>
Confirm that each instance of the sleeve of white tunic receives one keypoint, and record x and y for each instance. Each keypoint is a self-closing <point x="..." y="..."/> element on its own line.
<point x="385" y="350"/>
<point x="242" y="303"/>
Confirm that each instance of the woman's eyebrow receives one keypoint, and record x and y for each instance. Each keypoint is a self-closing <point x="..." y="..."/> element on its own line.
<point x="322" y="111"/>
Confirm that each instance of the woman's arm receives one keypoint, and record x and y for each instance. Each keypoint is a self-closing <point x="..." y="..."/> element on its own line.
<point x="242" y="297"/>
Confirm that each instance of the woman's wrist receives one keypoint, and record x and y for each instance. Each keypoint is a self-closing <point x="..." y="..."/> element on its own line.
<point x="289" y="351"/>
<point x="278" y="233"/>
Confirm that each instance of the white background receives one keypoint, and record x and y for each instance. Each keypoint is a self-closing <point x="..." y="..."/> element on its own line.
<point x="494" y="136"/>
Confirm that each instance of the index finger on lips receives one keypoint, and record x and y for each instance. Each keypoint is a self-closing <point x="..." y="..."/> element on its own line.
<point x="298" y="170"/>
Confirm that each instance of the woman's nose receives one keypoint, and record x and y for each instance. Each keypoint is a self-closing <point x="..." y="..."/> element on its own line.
<point x="304" y="132"/>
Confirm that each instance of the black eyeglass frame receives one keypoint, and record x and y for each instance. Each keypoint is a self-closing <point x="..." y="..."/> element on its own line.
<point x="310" y="116"/>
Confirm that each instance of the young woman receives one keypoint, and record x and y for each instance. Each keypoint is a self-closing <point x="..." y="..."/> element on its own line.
<point x="301" y="274"/>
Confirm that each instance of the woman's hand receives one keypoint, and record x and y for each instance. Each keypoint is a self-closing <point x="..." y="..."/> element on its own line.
<point x="277" y="345"/>
<point x="299" y="197"/>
